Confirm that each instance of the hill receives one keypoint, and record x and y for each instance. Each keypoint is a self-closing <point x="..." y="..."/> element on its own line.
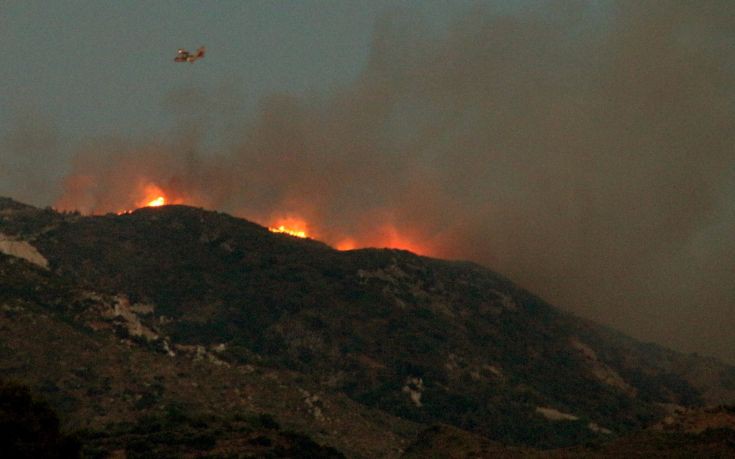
<point x="125" y="316"/>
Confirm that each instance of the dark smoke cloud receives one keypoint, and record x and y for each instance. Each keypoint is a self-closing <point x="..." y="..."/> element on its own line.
<point x="584" y="149"/>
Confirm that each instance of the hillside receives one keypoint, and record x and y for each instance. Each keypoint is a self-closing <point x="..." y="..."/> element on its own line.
<point x="127" y="317"/>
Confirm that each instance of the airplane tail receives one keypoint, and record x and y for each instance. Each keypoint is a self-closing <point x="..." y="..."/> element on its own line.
<point x="200" y="52"/>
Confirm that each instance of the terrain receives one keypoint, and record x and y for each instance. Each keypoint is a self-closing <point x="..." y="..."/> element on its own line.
<point x="179" y="331"/>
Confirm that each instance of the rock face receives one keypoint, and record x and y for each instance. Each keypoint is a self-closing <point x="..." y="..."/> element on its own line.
<point x="418" y="341"/>
<point x="21" y="249"/>
<point x="555" y="415"/>
<point x="600" y="370"/>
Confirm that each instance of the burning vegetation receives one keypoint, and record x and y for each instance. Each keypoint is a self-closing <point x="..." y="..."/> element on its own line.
<point x="159" y="201"/>
<point x="154" y="196"/>
<point x="289" y="231"/>
<point x="292" y="226"/>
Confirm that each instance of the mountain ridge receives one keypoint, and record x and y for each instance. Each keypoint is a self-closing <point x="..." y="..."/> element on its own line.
<point x="420" y="339"/>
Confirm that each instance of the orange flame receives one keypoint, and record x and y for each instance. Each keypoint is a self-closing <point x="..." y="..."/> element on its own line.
<point x="159" y="201"/>
<point x="384" y="236"/>
<point x="292" y="232"/>
<point x="153" y="196"/>
<point x="292" y="226"/>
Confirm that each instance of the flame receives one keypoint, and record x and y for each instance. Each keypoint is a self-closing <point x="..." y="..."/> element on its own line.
<point x="153" y="196"/>
<point x="292" y="226"/>
<point x="159" y="201"/>
<point x="382" y="236"/>
<point x="290" y="231"/>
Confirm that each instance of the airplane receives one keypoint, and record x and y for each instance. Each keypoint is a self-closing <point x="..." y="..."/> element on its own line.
<point x="183" y="55"/>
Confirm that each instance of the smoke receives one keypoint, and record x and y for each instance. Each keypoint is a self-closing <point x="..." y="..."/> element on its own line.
<point x="26" y="171"/>
<point x="584" y="149"/>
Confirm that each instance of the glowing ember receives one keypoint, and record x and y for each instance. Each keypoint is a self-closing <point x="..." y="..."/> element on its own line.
<point x="290" y="231"/>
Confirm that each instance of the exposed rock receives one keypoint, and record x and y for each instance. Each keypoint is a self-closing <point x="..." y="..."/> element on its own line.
<point x="555" y="415"/>
<point x="600" y="370"/>
<point x="199" y="353"/>
<point x="594" y="427"/>
<point x="122" y="309"/>
<point x="494" y="370"/>
<point x="313" y="404"/>
<point x="22" y="249"/>
<point x="414" y="387"/>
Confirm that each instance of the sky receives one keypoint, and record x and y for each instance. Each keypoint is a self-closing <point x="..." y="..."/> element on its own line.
<point x="81" y="70"/>
<point x="584" y="149"/>
<point x="98" y="68"/>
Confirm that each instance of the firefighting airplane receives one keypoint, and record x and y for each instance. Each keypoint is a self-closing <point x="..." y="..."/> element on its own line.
<point x="183" y="55"/>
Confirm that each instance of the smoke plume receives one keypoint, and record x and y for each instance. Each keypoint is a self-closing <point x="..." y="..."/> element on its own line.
<point x="583" y="149"/>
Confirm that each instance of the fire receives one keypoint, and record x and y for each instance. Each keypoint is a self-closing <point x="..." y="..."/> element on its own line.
<point x="292" y="226"/>
<point x="159" y="201"/>
<point x="153" y="196"/>
<point x="395" y="239"/>
<point x="290" y="231"/>
<point x="386" y="236"/>
<point x="346" y="244"/>
<point x="383" y="236"/>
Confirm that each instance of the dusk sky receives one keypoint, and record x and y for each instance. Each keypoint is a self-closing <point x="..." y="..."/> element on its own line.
<point x="95" y="68"/>
<point x="584" y="149"/>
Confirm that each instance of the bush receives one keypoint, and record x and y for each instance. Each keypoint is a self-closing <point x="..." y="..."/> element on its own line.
<point x="29" y="428"/>
<point x="268" y="422"/>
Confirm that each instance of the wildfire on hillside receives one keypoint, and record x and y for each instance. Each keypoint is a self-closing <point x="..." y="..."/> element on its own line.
<point x="386" y="236"/>
<point x="292" y="226"/>
<point x="152" y="196"/>
<point x="371" y="234"/>
<point x="346" y="244"/>
<point x="289" y="231"/>
<point x="159" y="201"/>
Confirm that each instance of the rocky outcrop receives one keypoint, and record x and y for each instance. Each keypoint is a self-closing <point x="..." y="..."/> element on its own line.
<point x="22" y="249"/>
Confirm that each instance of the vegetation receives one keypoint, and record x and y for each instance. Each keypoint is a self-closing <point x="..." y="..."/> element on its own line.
<point x="29" y="428"/>
<point x="234" y="310"/>
<point x="177" y="433"/>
